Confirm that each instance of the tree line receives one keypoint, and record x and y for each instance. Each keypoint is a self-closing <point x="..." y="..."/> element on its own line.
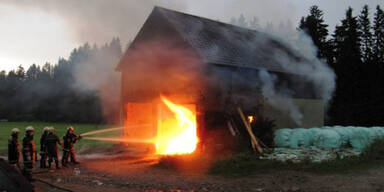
<point x="355" y="51"/>
<point x="50" y="92"/>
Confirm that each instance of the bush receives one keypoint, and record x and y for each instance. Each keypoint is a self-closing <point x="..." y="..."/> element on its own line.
<point x="264" y="128"/>
<point x="375" y="151"/>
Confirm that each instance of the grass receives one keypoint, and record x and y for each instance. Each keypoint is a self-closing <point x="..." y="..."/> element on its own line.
<point x="246" y="163"/>
<point x="61" y="128"/>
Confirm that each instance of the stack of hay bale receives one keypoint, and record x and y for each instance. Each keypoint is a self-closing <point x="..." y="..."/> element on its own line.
<point x="328" y="137"/>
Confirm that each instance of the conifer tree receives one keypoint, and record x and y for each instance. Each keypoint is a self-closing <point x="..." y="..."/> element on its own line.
<point x="366" y="35"/>
<point x="314" y="25"/>
<point x="348" y="68"/>
<point x="378" y="28"/>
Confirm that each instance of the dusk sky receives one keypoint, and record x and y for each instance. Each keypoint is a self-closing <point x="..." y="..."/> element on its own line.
<point x="43" y="30"/>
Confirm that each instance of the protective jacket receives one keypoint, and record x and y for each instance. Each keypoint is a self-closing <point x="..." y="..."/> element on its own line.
<point x="13" y="150"/>
<point x="29" y="149"/>
<point x="43" y="150"/>
<point x="43" y="147"/>
<point x="51" y="142"/>
<point x="69" y="140"/>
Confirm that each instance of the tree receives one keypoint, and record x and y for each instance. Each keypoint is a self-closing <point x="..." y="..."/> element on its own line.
<point x="379" y="36"/>
<point x="20" y="73"/>
<point x="254" y="24"/>
<point x="378" y="61"/>
<point x="269" y="28"/>
<point x="348" y="67"/>
<point x="241" y="21"/>
<point x="366" y="35"/>
<point x="3" y="76"/>
<point x="315" y="27"/>
<point x="33" y="72"/>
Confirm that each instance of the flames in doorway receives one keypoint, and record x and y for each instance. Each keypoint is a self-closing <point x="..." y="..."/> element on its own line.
<point x="174" y="127"/>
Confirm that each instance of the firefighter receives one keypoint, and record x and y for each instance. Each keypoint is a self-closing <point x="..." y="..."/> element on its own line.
<point x="29" y="152"/>
<point x="68" y="151"/>
<point x="51" y="142"/>
<point x="14" y="149"/>
<point x="43" y="148"/>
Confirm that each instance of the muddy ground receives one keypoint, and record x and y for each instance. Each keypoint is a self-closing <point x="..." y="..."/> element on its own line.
<point x="138" y="173"/>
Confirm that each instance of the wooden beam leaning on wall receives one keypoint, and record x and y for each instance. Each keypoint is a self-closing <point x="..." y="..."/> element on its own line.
<point x="255" y="144"/>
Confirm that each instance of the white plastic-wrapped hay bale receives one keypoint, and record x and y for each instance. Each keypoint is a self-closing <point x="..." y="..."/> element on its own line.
<point x="300" y="138"/>
<point x="327" y="139"/>
<point x="312" y="133"/>
<point x="282" y="137"/>
<point x="344" y="133"/>
<point x="360" y="138"/>
<point x="377" y="133"/>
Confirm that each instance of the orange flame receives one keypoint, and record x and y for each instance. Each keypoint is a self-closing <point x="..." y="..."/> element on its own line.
<point x="177" y="133"/>
<point x="251" y="119"/>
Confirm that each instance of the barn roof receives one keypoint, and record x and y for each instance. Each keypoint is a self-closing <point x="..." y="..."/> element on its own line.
<point x="224" y="44"/>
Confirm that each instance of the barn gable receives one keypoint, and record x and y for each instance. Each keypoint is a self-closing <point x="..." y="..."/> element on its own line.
<point x="216" y="42"/>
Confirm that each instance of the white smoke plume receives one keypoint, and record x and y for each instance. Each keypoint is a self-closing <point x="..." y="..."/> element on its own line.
<point x="314" y="70"/>
<point x="278" y="98"/>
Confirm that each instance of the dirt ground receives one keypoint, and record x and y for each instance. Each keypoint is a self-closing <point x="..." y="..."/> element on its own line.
<point x="135" y="173"/>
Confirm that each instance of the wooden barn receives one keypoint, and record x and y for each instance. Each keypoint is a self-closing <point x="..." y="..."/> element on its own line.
<point x="211" y="67"/>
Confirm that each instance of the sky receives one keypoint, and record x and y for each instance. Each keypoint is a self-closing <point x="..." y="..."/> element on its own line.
<point x="42" y="31"/>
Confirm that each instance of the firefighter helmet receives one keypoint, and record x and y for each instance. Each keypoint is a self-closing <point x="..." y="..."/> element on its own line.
<point x="15" y="130"/>
<point x="29" y="128"/>
<point x="71" y="128"/>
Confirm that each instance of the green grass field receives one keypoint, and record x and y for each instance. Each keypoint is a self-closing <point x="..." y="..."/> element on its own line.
<point x="61" y="128"/>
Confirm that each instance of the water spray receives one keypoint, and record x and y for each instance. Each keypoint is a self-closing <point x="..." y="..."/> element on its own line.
<point x="124" y="140"/>
<point x="113" y="129"/>
<point x="117" y="139"/>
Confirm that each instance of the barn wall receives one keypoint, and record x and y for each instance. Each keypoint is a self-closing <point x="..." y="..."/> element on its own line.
<point x="312" y="110"/>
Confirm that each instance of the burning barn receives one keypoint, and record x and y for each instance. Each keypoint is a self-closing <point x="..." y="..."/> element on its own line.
<point x="181" y="69"/>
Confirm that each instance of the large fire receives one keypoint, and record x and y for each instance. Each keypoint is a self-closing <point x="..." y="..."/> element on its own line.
<point x="177" y="131"/>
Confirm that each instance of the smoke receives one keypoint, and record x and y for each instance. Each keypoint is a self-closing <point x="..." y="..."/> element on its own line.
<point x="313" y="76"/>
<point x="95" y="71"/>
<point x="278" y="98"/>
<point x="314" y="70"/>
<point x="161" y="66"/>
<point x="98" y="21"/>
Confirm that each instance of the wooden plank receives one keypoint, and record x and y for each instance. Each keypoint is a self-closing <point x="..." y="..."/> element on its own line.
<point x="254" y="142"/>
